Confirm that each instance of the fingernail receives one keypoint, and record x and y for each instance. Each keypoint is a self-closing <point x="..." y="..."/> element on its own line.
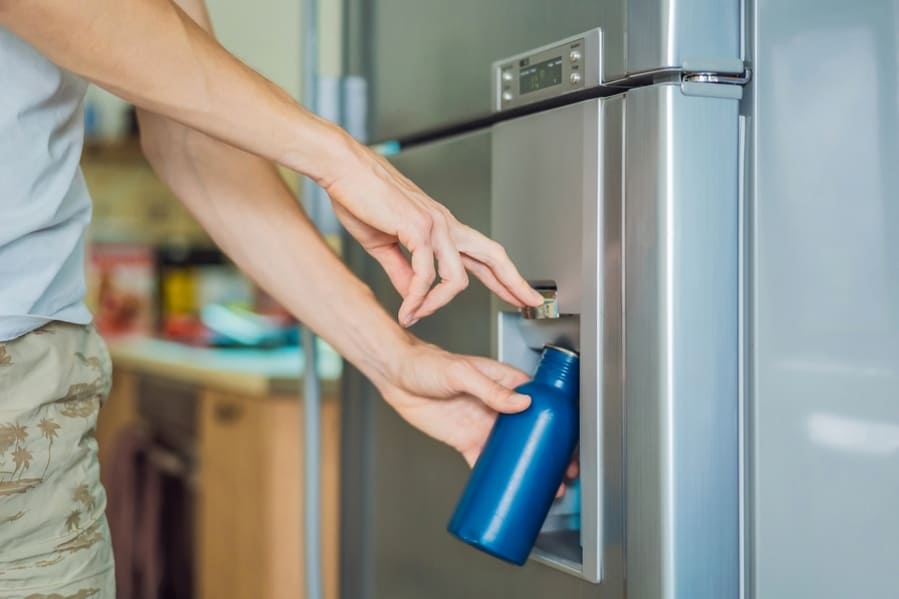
<point x="412" y="324"/>
<point x="521" y="400"/>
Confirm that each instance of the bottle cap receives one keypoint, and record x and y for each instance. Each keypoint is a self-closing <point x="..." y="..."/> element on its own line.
<point x="564" y="350"/>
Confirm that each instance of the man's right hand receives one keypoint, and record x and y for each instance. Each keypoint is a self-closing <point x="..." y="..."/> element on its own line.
<point x="384" y="210"/>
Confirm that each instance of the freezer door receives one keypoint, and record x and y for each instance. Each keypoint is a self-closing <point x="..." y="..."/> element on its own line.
<point x="824" y="307"/>
<point x="427" y="62"/>
<point x="400" y="487"/>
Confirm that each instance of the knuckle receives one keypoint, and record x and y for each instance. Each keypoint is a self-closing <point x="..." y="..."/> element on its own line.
<point x="424" y="223"/>
<point x="437" y="215"/>
<point x="443" y="210"/>
<point x="497" y="252"/>
<point x="418" y="231"/>
<point x="458" y="372"/>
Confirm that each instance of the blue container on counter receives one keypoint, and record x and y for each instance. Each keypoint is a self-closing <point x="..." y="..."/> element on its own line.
<point x="515" y="479"/>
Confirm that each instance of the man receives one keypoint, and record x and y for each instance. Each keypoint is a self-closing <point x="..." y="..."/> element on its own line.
<point x="212" y="129"/>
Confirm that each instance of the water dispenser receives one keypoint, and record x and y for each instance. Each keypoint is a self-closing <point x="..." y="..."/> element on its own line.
<point x="556" y="208"/>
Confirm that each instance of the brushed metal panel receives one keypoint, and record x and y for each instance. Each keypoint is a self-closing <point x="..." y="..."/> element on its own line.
<point x="430" y="59"/>
<point x="666" y="33"/>
<point x="824" y="302"/>
<point x="556" y="195"/>
<point x="539" y="191"/>
<point x="681" y="345"/>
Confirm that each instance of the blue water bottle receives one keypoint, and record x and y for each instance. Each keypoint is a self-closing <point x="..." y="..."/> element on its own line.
<point x="515" y="479"/>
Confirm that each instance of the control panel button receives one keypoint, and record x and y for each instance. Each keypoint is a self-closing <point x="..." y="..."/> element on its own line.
<point x="507" y="75"/>
<point x="507" y="96"/>
<point x="574" y="78"/>
<point x="574" y="56"/>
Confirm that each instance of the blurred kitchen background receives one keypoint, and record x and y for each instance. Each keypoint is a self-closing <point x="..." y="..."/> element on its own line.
<point x="152" y="267"/>
<point x="199" y="440"/>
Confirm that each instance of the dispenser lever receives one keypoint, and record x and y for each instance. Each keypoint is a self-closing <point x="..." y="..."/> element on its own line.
<point x="550" y="306"/>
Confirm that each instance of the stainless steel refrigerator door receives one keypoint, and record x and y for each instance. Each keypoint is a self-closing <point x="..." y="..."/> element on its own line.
<point x="400" y="487"/>
<point x="428" y="61"/>
<point x="823" y="300"/>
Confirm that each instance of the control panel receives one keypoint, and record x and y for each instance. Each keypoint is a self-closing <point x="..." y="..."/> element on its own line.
<point x="553" y="70"/>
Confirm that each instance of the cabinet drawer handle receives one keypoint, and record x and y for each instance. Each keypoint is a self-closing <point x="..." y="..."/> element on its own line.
<point x="227" y="413"/>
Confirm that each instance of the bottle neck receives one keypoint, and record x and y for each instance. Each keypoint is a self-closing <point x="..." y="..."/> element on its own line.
<point x="559" y="369"/>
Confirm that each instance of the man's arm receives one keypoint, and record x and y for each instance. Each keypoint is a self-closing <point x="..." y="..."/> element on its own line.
<point x="242" y="201"/>
<point x="153" y="54"/>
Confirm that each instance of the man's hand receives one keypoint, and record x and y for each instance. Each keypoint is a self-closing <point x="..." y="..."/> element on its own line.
<point x="384" y="210"/>
<point x="452" y="398"/>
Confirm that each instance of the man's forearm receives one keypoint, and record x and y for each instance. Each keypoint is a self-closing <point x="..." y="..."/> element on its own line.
<point x="153" y="54"/>
<point x="244" y="204"/>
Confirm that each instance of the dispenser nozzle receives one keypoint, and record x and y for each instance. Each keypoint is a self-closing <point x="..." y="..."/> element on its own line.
<point x="550" y="306"/>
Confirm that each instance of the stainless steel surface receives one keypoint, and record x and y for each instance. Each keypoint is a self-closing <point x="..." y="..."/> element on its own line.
<point x="681" y="345"/>
<point x="426" y="57"/>
<point x="580" y="67"/>
<point x="823" y="301"/>
<point x="572" y="155"/>
<point x="664" y="33"/>
<point x="548" y="309"/>
<point x="454" y="43"/>
<point x="413" y="482"/>
<point x="544" y="172"/>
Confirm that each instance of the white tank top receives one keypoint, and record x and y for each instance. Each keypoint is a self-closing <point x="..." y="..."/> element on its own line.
<point x="44" y="203"/>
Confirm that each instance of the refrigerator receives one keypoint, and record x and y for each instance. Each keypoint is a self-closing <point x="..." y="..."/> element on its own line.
<point x="716" y="217"/>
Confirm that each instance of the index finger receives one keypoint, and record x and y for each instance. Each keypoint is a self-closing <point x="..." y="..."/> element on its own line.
<point x="505" y="375"/>
<point x="466" y="377"/>
<point x="489" y="252"/>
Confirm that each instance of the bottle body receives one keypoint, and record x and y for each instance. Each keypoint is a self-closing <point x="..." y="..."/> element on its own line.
<point x="514" y="481"/>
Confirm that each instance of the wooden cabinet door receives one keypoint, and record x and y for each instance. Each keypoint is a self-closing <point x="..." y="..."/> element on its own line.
<point x="250" y="497"/>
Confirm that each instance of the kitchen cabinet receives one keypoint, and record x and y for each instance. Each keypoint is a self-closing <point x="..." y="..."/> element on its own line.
<point x="244" y="441"/>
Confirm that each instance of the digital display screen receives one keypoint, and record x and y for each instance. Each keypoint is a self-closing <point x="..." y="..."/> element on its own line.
<point x="540" y="76"/>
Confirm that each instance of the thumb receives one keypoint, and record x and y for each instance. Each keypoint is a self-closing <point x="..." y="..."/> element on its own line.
<point x="504" y="374"/>
<point x="467" y="378"/>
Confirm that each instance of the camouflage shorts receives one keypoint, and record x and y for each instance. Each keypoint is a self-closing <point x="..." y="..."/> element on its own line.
<point x="54" y="541"/>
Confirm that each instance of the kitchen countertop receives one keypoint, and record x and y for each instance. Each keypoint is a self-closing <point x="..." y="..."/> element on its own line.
<point x="238" y="370"/>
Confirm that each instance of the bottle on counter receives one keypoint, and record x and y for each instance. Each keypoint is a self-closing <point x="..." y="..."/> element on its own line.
<point x="515" y="480"/>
